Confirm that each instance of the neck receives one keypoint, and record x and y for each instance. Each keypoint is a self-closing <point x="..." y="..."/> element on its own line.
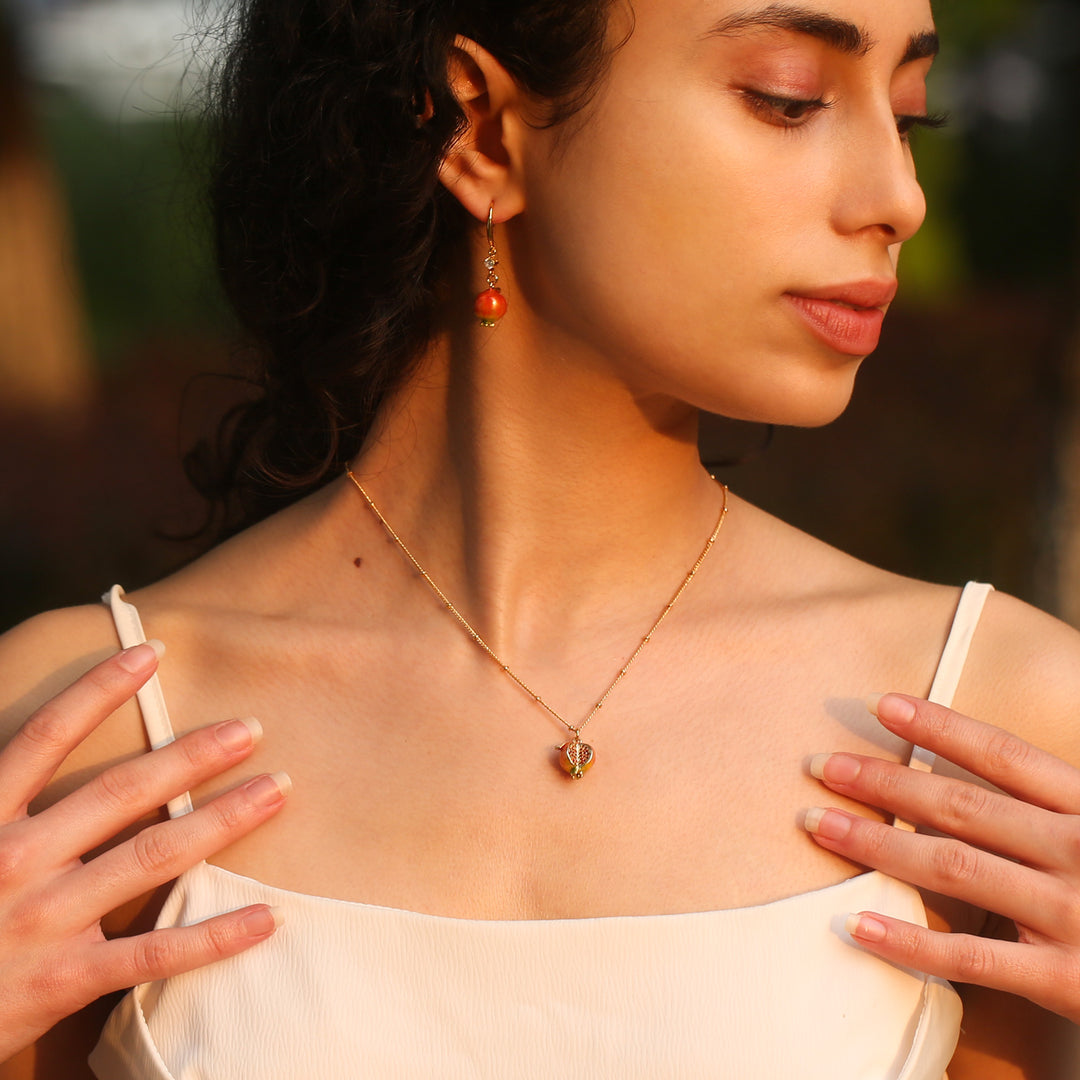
<point x="591" y="498"/>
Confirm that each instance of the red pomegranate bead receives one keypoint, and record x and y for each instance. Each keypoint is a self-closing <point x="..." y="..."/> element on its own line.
<point x="490" y="307"/>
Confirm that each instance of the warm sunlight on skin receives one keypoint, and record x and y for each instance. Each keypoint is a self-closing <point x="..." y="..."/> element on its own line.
<point x="734" y="163"/>
<point x="719" y="227"/>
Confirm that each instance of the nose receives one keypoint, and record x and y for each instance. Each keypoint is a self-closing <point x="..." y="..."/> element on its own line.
<point x="878" y="191"/>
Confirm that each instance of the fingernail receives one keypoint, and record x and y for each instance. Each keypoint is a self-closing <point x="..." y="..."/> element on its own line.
<point x="830" y="824"/>
<point x="239" y="734"/>
<point x="268" y="790"/>
<point x="261" y="922"/>
<point x="897" y="710"/>
<point x="835" y="768"/>
<point x="872" y="702"/>
<point x="139" y="657"/>
<point x="865" y="927"/>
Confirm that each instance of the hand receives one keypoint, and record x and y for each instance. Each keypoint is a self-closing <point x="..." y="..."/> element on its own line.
<point x="1017" y="855"/>
<point x="53" y="954"/>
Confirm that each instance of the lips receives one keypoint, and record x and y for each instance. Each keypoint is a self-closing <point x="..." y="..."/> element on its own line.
<point x="846" y="318"/>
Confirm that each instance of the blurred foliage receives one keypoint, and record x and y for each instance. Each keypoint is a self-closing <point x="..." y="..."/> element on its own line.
<point x="1002" y="181"/>
<point x="935" y="264"/>
<point x="134" y="195"/>
<point x="967" y="28"/>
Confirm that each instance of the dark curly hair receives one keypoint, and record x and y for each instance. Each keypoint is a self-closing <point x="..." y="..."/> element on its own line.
<point x="334" y="236"/>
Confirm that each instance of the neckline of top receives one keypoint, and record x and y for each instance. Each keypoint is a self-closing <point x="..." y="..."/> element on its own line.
<point x="287" y="895"/>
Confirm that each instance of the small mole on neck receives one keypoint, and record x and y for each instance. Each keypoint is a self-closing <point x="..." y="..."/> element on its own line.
<point x="358" y="562"/>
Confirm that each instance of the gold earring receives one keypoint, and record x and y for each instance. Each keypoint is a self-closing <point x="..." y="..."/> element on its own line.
<point x="490" y="305"/>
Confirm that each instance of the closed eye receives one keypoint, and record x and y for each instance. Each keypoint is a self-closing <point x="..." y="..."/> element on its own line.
<point x="784" y="112"/>
<point x="907" y="124"/>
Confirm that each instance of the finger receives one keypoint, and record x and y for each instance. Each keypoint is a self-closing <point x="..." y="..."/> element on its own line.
<point x="1042" y="974"/>
<point x="160" y="954"/>
<point x="992" y="821"/>
<point x="952" y="868"/>
<point x="996" y="755"/>
<point x="162" y="852"/>
<point x="40" y="746"/>
<point x="124" y="793"/>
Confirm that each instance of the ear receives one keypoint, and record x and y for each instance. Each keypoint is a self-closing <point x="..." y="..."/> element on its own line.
<point x="481" y="167"/>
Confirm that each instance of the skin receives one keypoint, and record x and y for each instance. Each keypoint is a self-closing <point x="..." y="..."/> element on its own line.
<point x="560" y="532"/>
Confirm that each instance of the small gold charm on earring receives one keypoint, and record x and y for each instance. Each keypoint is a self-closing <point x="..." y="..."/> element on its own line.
<point x="490" y="305"/>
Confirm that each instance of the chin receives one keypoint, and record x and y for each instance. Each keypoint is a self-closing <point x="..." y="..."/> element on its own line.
<point x="817" y="414"/>
<point x="812" y="401"/>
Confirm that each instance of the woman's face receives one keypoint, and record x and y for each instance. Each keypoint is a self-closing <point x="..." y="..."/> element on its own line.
<point x="724" y="223"/>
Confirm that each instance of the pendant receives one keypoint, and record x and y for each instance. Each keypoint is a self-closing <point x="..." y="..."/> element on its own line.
<point x="576" y="758"/>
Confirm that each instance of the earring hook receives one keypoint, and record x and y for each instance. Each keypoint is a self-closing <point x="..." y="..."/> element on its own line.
<point x="490" y="305"/>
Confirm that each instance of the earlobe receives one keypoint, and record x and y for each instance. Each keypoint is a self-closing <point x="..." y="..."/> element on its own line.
<point x="481" y="166"/>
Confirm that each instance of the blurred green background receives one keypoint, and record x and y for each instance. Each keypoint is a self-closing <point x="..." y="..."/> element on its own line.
<point x="955" y="460"/>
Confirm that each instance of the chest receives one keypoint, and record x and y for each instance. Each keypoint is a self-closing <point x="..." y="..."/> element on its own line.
<point x="426" y="780"/>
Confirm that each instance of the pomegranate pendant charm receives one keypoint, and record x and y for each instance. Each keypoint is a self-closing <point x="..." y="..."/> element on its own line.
<point x="576" y="758"/>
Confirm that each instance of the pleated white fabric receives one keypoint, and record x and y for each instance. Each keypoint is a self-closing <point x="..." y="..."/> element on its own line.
<point x="346" y="990"/>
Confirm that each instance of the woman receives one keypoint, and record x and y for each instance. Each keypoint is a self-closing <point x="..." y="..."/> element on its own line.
<point x="682" y="206"/>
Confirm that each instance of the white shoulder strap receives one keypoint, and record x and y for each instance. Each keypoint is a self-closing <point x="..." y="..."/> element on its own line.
<point x="155" y="713"/>
<point x="950" y="668"/>
<point x="953" y="657"/>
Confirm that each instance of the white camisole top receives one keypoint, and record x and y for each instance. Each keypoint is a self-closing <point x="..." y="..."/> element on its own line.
<point x="345" y="990"/>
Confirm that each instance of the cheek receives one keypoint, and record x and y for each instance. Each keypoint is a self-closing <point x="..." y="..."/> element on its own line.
<point x="663" y="244"/>
<point x="668" y="216"/>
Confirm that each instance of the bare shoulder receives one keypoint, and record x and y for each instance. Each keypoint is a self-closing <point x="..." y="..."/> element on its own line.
<point x="786" y="565"/>
<point x="47" y="653"/>
<point x="1023" y="674"/>
<point x="41" y="656"/>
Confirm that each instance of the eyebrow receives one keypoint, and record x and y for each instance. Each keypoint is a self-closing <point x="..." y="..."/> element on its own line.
<point x="924" y="46"/>
<point x="839" y="34"/>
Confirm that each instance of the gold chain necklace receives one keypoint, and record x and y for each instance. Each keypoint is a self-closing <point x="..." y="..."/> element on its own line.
<point x="575" y="757"/>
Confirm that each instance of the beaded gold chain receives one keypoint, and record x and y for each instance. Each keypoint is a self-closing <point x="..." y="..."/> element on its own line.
<point x="575" y="757"/>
